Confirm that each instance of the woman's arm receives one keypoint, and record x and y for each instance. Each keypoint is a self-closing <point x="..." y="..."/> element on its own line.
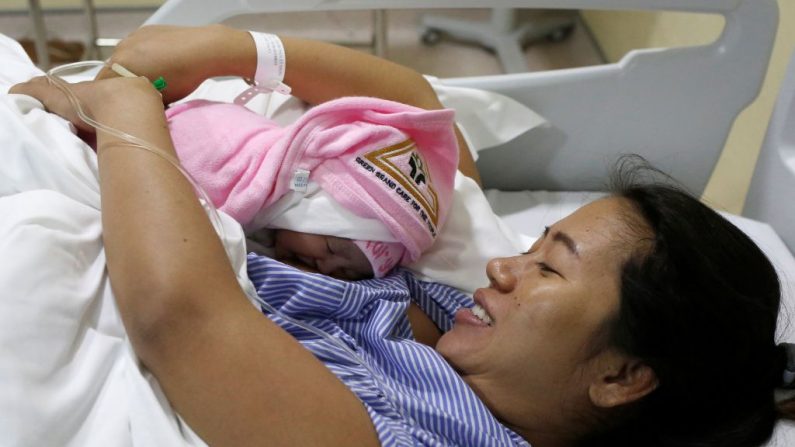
<point x="316" y="71"/>
<point x="347" y="72"/>
<point x="236" y="377"/>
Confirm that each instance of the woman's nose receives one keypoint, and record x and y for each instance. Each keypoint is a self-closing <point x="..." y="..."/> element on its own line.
<point x="502" y="273"/>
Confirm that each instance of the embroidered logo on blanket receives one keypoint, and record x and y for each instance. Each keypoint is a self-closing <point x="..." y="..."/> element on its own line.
<point x="405" y="165"/>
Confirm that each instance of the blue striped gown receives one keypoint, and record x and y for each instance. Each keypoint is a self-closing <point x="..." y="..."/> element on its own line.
<point x="410" y="392"/>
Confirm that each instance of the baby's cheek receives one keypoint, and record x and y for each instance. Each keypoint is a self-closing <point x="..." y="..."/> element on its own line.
<point x="359" y="262"/>
<point x="354" y="271"/>
<point x="362" y="273"/>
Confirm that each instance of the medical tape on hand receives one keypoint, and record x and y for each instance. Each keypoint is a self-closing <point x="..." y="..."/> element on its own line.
<point x="271" y="65"/>
<point x="159" y="83"/>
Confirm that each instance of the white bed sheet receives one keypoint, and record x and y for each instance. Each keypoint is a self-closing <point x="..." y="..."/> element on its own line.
<point x="69" y="375"/>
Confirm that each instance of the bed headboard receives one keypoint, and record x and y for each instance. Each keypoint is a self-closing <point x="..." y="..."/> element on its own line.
<point x="673" y="106"/>
<point x="771" y="197"/>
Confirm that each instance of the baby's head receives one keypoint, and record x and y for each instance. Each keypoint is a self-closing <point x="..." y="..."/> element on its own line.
<point x="335" y="256"/>
<point x="386" y="172"/>
<point x="330" y="255"/>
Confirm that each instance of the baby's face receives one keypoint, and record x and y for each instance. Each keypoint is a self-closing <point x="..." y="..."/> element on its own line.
<point x="329" y="255"/>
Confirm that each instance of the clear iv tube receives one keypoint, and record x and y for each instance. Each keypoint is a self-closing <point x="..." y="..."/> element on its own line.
<point x="208" y="206"/>
<point x="132" y="140"/>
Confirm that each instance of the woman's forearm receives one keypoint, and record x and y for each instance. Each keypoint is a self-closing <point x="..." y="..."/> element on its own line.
<point x="137" y="216"/>
<point x="316" y="71"/>
<point x="319" y="72"/>
<point x="235" y="376"/>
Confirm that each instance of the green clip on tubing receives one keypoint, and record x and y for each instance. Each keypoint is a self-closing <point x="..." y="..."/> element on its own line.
<point x="159" y="83"/>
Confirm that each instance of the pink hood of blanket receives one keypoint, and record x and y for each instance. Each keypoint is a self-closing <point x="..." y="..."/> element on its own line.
<point x="379" y="159"/>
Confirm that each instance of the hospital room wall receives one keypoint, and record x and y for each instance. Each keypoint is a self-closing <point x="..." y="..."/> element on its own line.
<point x="618" y="32"/>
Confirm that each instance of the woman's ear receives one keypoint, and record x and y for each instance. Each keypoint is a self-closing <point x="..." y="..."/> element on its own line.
<point x="620" y="380"/>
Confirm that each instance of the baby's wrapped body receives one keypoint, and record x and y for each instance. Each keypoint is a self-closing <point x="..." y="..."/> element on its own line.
<point x="412" y="395"/>
<point x="353" y="188"/>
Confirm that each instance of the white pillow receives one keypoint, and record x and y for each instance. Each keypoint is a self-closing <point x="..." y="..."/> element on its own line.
<point x="486" y="119"/>
<point x="472" y="236"/>
<point x="17" y="66"/>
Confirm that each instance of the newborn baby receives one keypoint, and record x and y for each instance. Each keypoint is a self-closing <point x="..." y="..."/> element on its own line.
<point x="329" y="255"/>
<point x="352" y="189"/>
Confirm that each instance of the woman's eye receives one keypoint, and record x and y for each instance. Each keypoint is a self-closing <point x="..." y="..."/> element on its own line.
<point x="546" y="268"/>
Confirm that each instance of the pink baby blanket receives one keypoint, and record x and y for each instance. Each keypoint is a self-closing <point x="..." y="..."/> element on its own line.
<point x="379" y="159"/>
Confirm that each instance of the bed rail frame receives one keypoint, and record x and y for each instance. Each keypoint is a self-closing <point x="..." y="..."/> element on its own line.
<point x="673" y="106"/>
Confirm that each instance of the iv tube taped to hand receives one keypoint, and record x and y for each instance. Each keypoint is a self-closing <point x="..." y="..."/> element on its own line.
<point x="209" y="208"/>
<point x="159" y="83"/>
<point x="133" y="141"/>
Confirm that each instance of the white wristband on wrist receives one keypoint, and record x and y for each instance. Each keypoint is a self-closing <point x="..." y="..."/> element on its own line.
<point x="271" y="63"/>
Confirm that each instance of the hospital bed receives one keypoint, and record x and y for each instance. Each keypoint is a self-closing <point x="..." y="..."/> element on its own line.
<point x="80" y="384"/>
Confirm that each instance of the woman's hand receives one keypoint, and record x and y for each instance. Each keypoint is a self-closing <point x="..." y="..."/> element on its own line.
<point x="55" y="100"/>
<point x="184" y="56"/>
<point x="107" y="101"/>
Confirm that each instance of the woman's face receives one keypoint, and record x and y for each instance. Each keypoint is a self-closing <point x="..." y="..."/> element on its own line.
<point x="544" y="309"/>
<point x="330" y="255"/>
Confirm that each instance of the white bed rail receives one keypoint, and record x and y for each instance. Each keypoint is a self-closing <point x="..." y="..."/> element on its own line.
<point x="196" y="12"/>
<point x="673" y="106"/>
<point x="771" y="197"/>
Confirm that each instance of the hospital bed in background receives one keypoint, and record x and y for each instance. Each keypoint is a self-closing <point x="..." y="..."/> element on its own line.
<point x="673" y="106"/>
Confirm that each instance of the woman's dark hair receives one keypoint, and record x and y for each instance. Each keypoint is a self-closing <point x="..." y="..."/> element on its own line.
<point x="699" y="305"/>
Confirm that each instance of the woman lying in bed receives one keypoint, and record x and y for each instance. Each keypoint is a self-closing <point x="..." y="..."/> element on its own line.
<point x="624" y="324"/>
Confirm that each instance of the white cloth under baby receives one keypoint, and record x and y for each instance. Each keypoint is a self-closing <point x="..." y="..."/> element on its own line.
<point x="316" y="212"/>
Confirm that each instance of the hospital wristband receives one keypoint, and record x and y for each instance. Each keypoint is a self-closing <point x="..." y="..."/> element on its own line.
<point x="270" y="57"/>
<point x="271" y="64"/>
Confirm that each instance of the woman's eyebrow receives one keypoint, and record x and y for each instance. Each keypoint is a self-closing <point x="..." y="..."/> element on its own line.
<point x="566" y="240"/>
